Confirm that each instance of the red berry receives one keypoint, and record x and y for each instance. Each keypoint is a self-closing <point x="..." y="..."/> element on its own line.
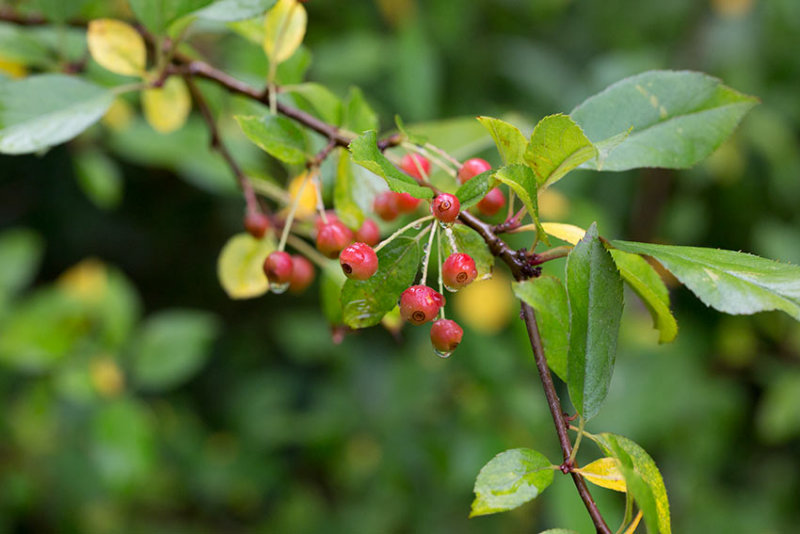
<point x="458" y="271"/>
<point x="408" y="165"/>
<point x="406" y="203"/>
<point x="385" y="205"/>
<point x="330" y="216"/>
<point x="358" y="261"/>
<point x="332" y="238"/>
<point x="256" y="224"/>
<point x="368" y="233"/>
<point x="420" y="304"/>
<point x="445" y="336"/>
<point x="278" y="267"/>
<point x="492" y="202"/>
<point x="445" y="207"/>
<point x="302" y="274"/>
<point x="471" y="168"/>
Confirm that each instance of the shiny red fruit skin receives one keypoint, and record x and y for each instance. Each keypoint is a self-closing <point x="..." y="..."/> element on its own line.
<point x="408" y="166"/>
<point x="406" y="203"/>
<point x="278" y="267"/>
<point x="459" y="270"/>
<point x="446" y="335"/>
<point x="302" y="274"/>
<point x="332" y="238"/>
<point x="445" y="207"/>
<point x="492" y="202"/>
<point x="256" y="224"/>
<point x="420" y="304"/>
<point x="368" y="233"/>
<point x="385" y="206"/>
<point x="330" y="216"/>
<point x="358" y="261"/>
<point x="471" y="168"/>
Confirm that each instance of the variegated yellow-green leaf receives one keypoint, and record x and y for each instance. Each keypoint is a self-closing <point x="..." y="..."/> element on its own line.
<point x="167" y="108"/>
<point x="604" y="473"/>
<point x="557" y="146"/>
<point x="565" y="232"/>
<point x="284" y="29"/>
<point x="240" y="266"/>
<point x="117" y="46"/>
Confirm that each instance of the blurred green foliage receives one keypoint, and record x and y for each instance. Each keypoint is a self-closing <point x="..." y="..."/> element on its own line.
<point x="138" y="398"/>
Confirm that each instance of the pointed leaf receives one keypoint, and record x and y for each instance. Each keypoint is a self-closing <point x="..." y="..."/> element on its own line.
<point x="276" y="135"/>
<point x="324" y="103"/>
<point x="675" y="118"/>
<point x="475" y="189"/>
<point x="240" y="267"/>
<point x="365" y="302"/>
<point x="548" y="298"/>
<point x="233" y="10"/>
<point x="594" y="288"/>
<point x="357" y="115"/>
<point x="731" y="282"/>
<point x="557" y="146"/>
<point x="365" y="152"/>
<point x="509" y="140"/>
<point x="468" y="241"/>
<point x="647" y="283"/>
<point x="605" y="473"/>
<point x="344" y="202"/>
<point x="565" y="232"/>
<point x="45" y="110"/>
<point x="284" y="29"/>
<point x="521" y="180"/>
<point x="509" y="480"/>
<point x="117" y="46"/>
<point x="167" y="108"/>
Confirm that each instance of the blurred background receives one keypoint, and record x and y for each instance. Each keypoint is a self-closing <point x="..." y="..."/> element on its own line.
<point x="137" y="397"/>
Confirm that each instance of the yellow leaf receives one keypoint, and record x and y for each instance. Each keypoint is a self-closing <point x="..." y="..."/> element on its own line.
<point x="167" y="108"/>
<point x="604" y="473"/>
<point x="307" y="202"/>
<point x="106" y="376"/>
<point x="119" y="115"/>
<point x="635" y="523"/>
<point x="566" y="232"/>
<point x="284" y="29"/>
<point x="552" y="204"/>
<point x="486" y="305"/>
<point x="240" y="267"/>
<point x="13" y="68"/>
<point x="87" y="281"/>
<point x="117" y="46"/>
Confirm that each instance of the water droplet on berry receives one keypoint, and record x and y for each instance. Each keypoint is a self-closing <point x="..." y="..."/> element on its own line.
<point x="278" y="288"/>
<point x="445" y="225"/>
<point x="442" y="354"/>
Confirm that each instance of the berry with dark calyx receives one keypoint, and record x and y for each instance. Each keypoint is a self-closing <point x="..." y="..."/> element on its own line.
<point x="420" y="304"/>
<point x="358" y="261"/>
<point x="471" y="168"/>
<point x="445" y="207"/>
<point x="408" y="165"/>
<point x="385" y="206"/>
<point x="406" y="203"/>
<point x="492" y="202"/>
<point x="256" y="224"/>
<point x="368" y="233"/>
<point x="458" y="271"/>
<point x="302" y="274"/>
<point x="445" y="336"/>
<point x="278" y="267"/>
<point x="332" y="238"/>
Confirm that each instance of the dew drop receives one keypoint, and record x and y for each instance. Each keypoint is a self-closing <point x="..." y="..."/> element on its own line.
<point x="445" y="225"/>
<point x="278" y="288"/>
<point x="442" y="354"/>
<point x="451" y="289"/>
<point x="417" y="226"/>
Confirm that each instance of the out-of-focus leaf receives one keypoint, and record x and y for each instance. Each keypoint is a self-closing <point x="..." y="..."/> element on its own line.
<point x="233" y="10"/>
<point x="284" y="29"/>
<point x="99" y="178"/>
<point x="675" y="119"/>
<point x="594" y="288"/>
<point x="344" y="191"/>
<point x="557" y="146"/>
<point x="240" y="267"/>
<point x="157" y="15"/>
<point x="276" y="135"/>
<point x="357" y="115"/>
<point x="468" y="241"/>
<point x="509" y="140"/>
<point x="558" y="531"/>
<point x="604" y="473"/>
<point x="778" y="418"/>
<point x="327" y="105"/>
<point x="473" y="191"/>
<point x="18" y="46"/>
<point x="21" y="251"/>
<point x="548" y="298"/>
<point x="45" y="110"/>
<point x="117" y="46"/>
<point x="365" y="153"/>
<point x="509" y="480"/>
<point x="330" y="292"/>
<point x="167" y="108"/>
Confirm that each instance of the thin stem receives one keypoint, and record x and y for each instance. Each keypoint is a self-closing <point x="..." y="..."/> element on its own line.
<point x="551" y="254"/>
<point x="318" y="192"/>
<point x="433" y="148"/>
<point x="628" y="512"/>
<point x="290" y="218"/>
<point x="308" y="251"/>
<point x="577" y="445"/>
<point x="427" y="258"/>
<point x="402" y="230"/>
<point x="452" y="239"/>
<point x="268" y="189"/>
<point x="441" y="281"/>
<point x="433" y="159"/>
<point x="511" y="198"/>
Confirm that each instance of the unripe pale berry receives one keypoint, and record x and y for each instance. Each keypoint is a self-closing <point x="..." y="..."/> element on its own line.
<point x="358" y="261"/>
<point x="420" y="304"/>
<point x="458" y="271"/>
<point x="332" y="238"/>
<point x="368" y="233"/>
<point x="256" y="224"/>
<point x="445" y="336"/>
<point x="445" y="207"/>
<point x="385" y="205"/>
<point x="471" y="168"/>
<point x="302" y="274"/>
<point x="278" y="267"/>
<point x="492" y="202"/>
<point x="406" y="203"/>
<point x="408" y="166"/>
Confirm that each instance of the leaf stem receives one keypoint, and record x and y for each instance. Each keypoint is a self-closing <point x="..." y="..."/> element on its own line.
<point x="308" y="251"/>
<point x="402" y="230"/>
<point x="439" y="258"/>
<point x="425" y="260"/>
<point x="290" y="218"/>
<point x="578" y="439"/>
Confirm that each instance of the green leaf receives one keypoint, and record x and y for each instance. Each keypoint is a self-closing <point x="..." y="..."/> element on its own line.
<point x="233" y="10"/>
<point x="240" y="267"/>
<point x="473" y="191"/>
<point x="557" y="146"/>
<point x="357" y="115"/>
<point x="276" y="135"/>
<point x="676" y="118"/>
<point x="509" y="480"/>
<point x="344" y="202"/>
<point x="521" y="180"/>
<point x="461" y="137"/>
<point x="21" y="250"/>
<point x="99" y="177"/>
<point x="548" y="298"/>
<point x="19" y="46"/>
<point x="778" y="419"/>
<point x="468" y="241"/>
<point x="330" y="292"/>
<point x="365" y="153"/>
<point x="157" y="15"/>
<point x="642" y="479"/>
<point x="410" y="137"/>
<point x="171" y="347"/>
<point x="646" y="282"/>
<point x="327" y="105"/>
<point x="45" y="110"/>
<point x="594" y="288"/>
<point x="509" y="140"/>
<point x="731" y="282"/>
<point x="558" y="531"/>
<point x="365" y="302"/>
